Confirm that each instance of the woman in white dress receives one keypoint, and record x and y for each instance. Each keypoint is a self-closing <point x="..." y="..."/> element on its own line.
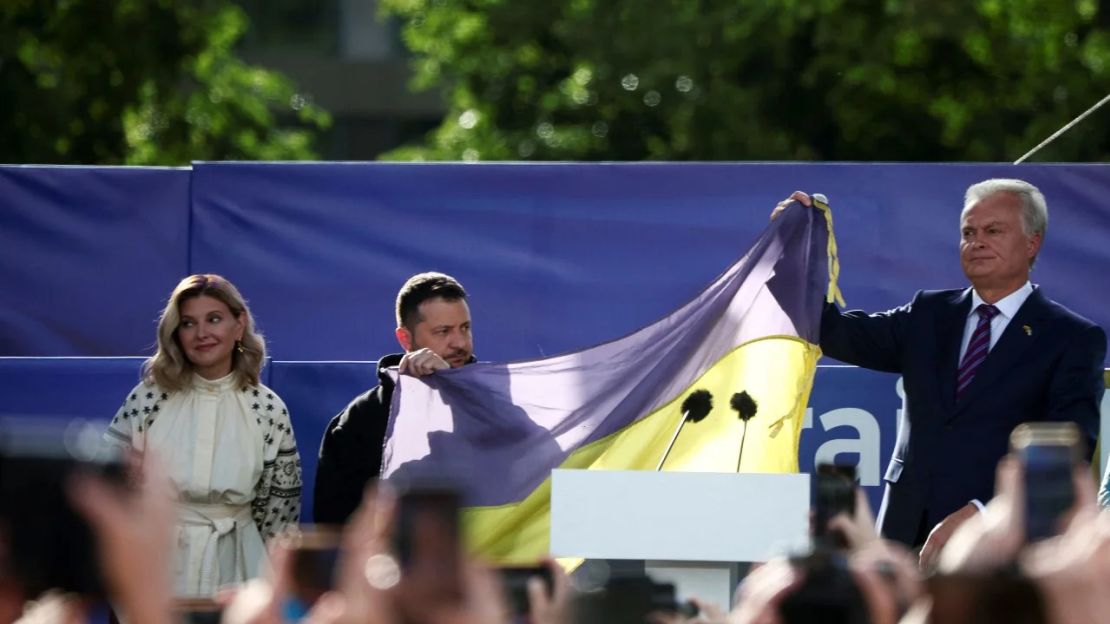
<point x="224" y="437"/>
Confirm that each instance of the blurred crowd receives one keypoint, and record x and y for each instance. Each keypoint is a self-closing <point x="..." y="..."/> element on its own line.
<point x="373" y="571"/>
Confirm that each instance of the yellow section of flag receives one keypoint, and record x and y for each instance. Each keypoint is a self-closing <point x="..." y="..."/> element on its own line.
<point x="776" y="372"/>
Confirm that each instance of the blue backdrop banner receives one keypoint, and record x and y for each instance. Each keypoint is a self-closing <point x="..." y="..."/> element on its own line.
<point x="562" y="256"/>
<point x="555" y="256"/>
<point x="87" y="257"/>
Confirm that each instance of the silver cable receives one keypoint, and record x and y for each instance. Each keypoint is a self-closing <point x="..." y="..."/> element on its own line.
<point x="1064" y="129"/>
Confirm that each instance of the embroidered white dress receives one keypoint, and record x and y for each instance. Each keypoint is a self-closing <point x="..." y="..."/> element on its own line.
<point x="231" y="454"/>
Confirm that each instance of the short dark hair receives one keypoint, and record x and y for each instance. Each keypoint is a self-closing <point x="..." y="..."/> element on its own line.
<point x="420" y="288"/>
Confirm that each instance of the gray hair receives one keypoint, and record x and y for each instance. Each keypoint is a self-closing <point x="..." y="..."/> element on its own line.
<point x="1034" y="210"/>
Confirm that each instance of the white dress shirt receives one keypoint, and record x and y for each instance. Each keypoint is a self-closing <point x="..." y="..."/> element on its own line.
<point x="1007" y="306"/>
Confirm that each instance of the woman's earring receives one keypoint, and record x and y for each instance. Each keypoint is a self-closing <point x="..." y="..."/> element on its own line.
<point x="239" y="346"/>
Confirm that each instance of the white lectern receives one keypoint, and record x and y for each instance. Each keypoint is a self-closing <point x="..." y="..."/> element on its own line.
<point x="689" y="527"/>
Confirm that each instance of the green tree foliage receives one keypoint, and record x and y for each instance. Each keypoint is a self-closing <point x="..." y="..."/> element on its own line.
<point x="141" y="82"/>
<point x="756" y="79"/>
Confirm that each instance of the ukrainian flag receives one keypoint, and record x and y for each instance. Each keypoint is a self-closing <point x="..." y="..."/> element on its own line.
<point x="719" y="385"/>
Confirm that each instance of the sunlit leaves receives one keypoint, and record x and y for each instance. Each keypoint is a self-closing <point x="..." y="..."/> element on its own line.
<point x="794" y="79"/>
<point x="141" y="82"/>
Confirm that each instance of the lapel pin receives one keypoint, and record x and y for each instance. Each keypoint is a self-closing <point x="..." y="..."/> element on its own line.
<point x="1028" y="330"/>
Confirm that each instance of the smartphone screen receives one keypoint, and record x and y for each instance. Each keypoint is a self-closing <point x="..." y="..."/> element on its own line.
<point x="514" y="581"/>
<point x="198" y="611"/>
<point x="1048" y="453"/>
<point x="834" y="492"/>
<point x="314" y="554"/>
<point x="48" y="541"/>
<point x="427" y="545"/>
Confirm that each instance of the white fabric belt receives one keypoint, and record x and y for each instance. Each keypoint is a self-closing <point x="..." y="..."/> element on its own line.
<point x="203" y="526"/>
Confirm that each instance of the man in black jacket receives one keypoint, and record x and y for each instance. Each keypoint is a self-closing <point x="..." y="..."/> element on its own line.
<point x="433" y="327"/>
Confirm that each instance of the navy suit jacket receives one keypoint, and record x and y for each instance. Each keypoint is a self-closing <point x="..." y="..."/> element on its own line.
<point x="1047" y="365"/>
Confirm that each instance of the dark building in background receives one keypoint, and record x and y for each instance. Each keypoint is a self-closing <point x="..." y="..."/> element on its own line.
<point x="340" y="54"/>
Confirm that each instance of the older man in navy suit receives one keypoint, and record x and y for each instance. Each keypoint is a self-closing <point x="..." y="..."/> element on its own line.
<point x="975" y="363"/>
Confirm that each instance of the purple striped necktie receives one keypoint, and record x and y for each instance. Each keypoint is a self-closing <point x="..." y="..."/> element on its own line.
<point x="977" y="348"/>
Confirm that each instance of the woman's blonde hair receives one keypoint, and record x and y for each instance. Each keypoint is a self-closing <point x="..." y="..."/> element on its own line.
<point x="170" y="369"/>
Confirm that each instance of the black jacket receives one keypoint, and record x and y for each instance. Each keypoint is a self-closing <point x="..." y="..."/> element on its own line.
<point x="351" y="451"/>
